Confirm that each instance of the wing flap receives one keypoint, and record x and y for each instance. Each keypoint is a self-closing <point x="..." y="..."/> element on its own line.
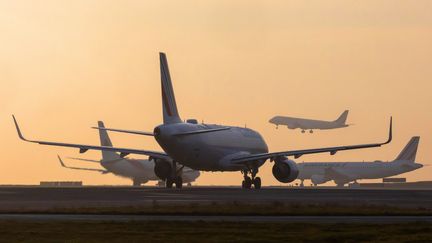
<point x="202" y="131"/>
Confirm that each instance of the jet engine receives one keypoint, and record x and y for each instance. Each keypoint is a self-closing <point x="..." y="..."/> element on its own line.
<point x="318" y="179"/>
<point x="162" y="168"/>
<point x="285" y="170"/>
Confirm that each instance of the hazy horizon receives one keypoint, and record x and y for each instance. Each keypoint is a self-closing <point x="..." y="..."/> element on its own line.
<point x="65" y="65"/>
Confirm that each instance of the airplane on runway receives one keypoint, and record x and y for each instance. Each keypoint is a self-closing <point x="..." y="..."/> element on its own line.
<point x="309" y="124"/>
<point x="209" y="147"/>
<point x="139" y="170"/>
<point x="344" y="172"/>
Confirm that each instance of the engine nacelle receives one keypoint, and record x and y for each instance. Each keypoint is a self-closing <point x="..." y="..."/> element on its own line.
<point x="318" y="179"/>
<point x="162" y="169"/>
<point x="285" y="170"/>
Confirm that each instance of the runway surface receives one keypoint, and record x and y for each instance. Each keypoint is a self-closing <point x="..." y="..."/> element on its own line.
<point x="284" y="219"/>
<point x="16" y="198"/>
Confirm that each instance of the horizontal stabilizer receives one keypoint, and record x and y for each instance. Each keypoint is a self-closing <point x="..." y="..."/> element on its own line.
<point x="202" y="131"/>
<point x="125" y="131"/>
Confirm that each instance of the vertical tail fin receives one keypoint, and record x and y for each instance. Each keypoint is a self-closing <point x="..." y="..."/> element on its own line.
<point x="106" y="141"/>
<point x="342" y="118"/>
<point x="169" y="106"/>
<point x="410" y="151"/>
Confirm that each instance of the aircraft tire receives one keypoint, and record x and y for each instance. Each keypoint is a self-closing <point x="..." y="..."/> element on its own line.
<point x="169" y="183"/>
<point x="247" y="183"/>
<point x="257" y="183"/>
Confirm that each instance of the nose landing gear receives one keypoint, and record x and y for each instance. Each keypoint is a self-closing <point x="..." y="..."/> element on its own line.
<point x="249" y="181"/>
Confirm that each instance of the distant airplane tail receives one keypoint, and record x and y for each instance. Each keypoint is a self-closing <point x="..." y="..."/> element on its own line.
<point x="410" y="151"/>
<point x="106" y="141"/>
<point x="169" y="105"/>
<point x="342" y="118"/>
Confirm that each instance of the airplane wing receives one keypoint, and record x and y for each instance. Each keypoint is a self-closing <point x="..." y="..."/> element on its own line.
<point x="79" y="168"/>
<point x="87" y="160"/>
<point x="151" y="134"/>
<point x="98" y="161"/>
<point x="84" y="148"/>
<point x="299" y="153"/>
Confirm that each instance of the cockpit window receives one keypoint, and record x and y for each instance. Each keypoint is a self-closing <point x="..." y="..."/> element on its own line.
<point x="192" y="121"/>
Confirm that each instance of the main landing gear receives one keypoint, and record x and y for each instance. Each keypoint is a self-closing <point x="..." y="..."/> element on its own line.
<point x="249" y="181"/>
<point x="175" y="177"/>
<point x="136" y="182"/>
<point x="178" y="181"/>
<point x="302" y="183"/>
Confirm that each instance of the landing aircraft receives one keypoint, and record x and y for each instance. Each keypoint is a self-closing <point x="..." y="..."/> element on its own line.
<point x="344" y="172"/>
<point x="309" y="124"/>
<point x="210" y="147"/>
<point x="139" y="170"/>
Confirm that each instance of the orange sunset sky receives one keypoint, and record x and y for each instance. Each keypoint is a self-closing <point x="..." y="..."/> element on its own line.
<point x="66" y="64"/>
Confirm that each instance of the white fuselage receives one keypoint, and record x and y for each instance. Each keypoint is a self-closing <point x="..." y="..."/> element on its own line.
<point x="209" y="151"/>
<point x="301" y="123"/>
<point x="344" y="172"/>
<point x="142" y="170"/>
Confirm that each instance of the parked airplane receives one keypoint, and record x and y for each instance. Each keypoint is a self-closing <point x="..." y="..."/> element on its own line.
<point x="309" y="124"/>
<point x="344" y="172"/>
<point x="139" y="170"/>
<point x="210" y="147"/>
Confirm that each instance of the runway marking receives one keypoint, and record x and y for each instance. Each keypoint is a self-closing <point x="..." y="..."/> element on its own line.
<point x="208" y="218"/>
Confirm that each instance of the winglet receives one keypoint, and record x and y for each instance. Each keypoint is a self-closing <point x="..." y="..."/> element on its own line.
<point x="390" y="132"/>
<point x="19" y="130"/>
<point x="61" y="161"/>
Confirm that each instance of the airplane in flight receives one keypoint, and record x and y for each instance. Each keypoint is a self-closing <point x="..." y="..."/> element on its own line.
<point x="139" y="170"/>
<point x="309" y="124"/>
<point x="207" y="147"/>
<point x="344" y="172"/>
